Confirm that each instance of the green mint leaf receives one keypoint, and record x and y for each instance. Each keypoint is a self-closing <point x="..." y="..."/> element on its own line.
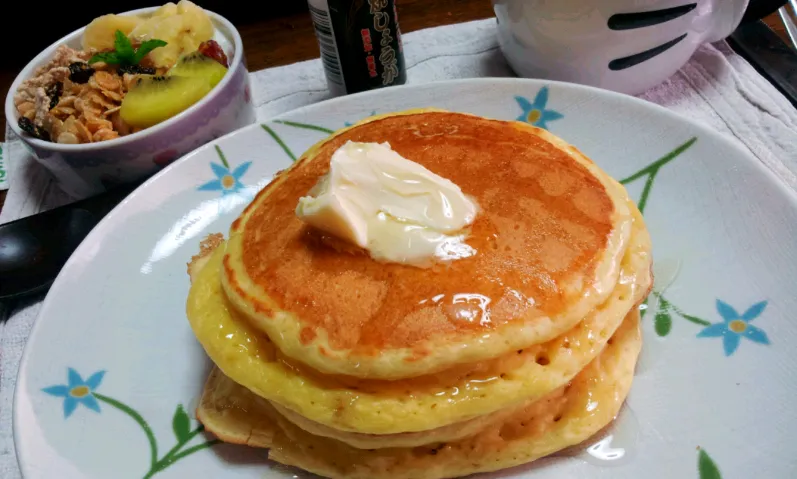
<point x="181" y="424"/>
<point x="105" y="57"/>
<point x="147" y="47"/>
<point x="124" y="50"/>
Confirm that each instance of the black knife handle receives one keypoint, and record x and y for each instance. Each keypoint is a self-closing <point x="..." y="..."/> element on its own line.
<point x="34" y="249"/>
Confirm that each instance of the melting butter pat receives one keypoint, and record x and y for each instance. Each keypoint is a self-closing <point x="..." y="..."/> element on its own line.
<point x="394" y="208"/>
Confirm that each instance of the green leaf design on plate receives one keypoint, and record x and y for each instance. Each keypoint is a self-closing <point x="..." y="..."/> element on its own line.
<point x="222" y="157"/>
<point x="181" y="424"/>
<point x="706" y="466"/>
<point x="279" y="141"/>
<point x="662" y="323"/>
<point x="306" y="126"/>
<point x="649" y="172"/>
<point x="695" y="319"/>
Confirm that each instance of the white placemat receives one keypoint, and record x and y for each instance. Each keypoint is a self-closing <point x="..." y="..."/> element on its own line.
<point x="716" y="87"/>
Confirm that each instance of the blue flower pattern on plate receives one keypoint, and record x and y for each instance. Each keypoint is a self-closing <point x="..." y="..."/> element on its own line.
<point x="227" y="181"/>
<point x="348" y="123"/>
<point x="535" y="112"/>
<point x="735" y="326"/>
<point x="77" y="391"/>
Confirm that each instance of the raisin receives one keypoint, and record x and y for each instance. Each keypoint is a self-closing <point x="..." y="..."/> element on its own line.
<point x="135" y="70"/>
<point x="212" y="49"/>
<point x="28" y="127"/>
<point x="80" y="72"/>
<point x="54" y="93"/>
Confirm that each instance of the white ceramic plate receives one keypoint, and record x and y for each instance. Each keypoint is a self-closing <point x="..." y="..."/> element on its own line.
<point x="112" y="371"/>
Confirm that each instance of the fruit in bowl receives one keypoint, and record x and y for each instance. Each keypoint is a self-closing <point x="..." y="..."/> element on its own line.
<point x="109" y="99"/>
<point x="132" y="73"/>
<point x="154" y="98"/>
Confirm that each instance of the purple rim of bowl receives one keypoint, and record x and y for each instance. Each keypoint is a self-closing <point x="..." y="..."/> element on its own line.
<point x="12" y="116"/>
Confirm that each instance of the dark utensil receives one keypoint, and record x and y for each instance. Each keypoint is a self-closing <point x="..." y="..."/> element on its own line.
<point x="758" y="9"/>
<point x="769" y="55"/>
<point x="34" y="249"/>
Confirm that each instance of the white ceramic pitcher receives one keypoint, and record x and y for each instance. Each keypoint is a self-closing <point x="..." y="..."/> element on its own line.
<point x="622" y="45"/>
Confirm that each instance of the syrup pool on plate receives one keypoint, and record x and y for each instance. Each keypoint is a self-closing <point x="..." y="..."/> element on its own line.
<point x="665" y="272"/>
<point x="615" y="445"/>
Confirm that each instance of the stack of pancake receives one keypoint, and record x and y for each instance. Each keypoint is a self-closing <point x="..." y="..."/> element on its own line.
<point x="348" y="367"/>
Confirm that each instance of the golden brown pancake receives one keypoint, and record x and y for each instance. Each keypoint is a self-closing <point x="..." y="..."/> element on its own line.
<point x="550" y="234"/>
<point x="565" y="417"/>
<point x="456" y="431"/>
<point x="458" y="396"/>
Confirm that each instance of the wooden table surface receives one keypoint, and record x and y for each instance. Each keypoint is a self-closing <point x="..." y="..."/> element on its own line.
<point x="290" y="38"/>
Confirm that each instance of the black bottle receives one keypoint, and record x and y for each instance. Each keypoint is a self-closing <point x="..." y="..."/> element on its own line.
<point x="360" y="44"/>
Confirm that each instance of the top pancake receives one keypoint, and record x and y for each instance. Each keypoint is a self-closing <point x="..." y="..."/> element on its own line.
<point x="551" y="230"/>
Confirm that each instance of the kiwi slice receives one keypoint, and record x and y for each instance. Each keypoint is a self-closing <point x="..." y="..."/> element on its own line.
<point x="153" y="99"/>
<point x="198" y="65"/>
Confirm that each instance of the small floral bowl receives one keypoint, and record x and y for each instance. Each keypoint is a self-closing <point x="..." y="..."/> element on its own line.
<point x="91" y="168"/>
